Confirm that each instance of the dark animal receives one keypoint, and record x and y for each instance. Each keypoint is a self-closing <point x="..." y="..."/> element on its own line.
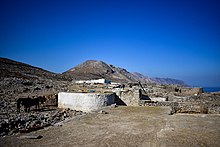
<point x="28" y="102"/>
<point x="177" y="90"/>
<point x="42" y="99"/>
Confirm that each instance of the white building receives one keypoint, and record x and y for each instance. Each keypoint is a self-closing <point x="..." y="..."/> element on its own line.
<point x="98" y="81"/>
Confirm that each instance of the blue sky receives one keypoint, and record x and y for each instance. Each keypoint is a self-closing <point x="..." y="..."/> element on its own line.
<point x="177" y="39"/>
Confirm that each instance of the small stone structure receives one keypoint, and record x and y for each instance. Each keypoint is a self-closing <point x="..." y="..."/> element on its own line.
<point x="85" y="102"/>
<point x="130" y="97"/>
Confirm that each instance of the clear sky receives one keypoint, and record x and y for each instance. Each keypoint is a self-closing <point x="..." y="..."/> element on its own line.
<point x="177" y="39"/>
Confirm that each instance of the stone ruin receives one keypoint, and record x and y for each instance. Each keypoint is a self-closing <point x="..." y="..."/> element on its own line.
<point x="180" y="99"/>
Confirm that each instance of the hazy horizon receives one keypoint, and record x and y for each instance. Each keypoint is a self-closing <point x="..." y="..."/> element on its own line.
<point x="167" y="39"/>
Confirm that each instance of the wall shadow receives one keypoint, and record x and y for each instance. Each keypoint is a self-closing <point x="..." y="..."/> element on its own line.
<point x="119" y="102"/>
<point x="145" y="97"/>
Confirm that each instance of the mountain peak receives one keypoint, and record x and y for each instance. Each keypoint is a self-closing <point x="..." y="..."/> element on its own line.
<point x="90" y="69"/>
<point x="93" y="69"/>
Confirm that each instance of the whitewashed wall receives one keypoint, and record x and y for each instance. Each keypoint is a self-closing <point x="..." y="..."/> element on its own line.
<point x="86" y="102"/>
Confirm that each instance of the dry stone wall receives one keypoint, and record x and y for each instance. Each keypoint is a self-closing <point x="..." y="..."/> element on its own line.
<point x="130" y="97"/>
<point x="185" y="107"/>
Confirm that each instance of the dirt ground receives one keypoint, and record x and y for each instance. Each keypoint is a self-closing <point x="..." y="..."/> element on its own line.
<point x="128" y="126"/>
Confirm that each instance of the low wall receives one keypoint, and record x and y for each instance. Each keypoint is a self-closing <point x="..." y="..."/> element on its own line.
<point x="185" y="107"/>
<point x="134" y="96"/>
<point x="191" y="91"/>
<point x="85" y="102"/>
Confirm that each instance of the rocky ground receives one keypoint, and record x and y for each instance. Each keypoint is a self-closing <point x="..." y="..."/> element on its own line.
<point x="122" y="126"/>
<point x="127" y="126"/>
<point x="13" y="123"/>
<point x="19" y="80"/>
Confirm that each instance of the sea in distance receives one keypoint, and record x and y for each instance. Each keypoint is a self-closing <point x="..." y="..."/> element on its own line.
<point x="211" y="89"/>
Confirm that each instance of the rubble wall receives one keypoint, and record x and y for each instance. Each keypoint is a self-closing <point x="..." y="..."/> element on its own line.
<point x="85" y="102"/>
<point x="129" y="97"/>
<point x="185" y="107"/>
<point x="191" y="91"/>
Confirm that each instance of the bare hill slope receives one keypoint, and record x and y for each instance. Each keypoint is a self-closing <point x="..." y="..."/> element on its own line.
<point x="14" y="69"/>
<point x="93" y="69"/>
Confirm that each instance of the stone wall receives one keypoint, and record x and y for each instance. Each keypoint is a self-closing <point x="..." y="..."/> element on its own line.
<point x="85" y="102"/>
<point x="185" y="107"/>
<point x="191" y="91"/>
<point x="130" y="97"/>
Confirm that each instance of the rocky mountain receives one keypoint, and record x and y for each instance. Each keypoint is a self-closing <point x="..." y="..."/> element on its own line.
<point x="92" y="69"/>
<point x="165" y="81"/>
<point x="142" y="78"/>
<point x="168" y="81"/>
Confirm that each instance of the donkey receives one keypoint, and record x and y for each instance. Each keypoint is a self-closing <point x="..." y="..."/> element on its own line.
<point x="28" y="102"/>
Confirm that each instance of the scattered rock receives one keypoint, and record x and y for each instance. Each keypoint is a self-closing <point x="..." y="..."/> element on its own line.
<point x="31" y="137"/>
<point x="113" y="105"/>
<point x="37" y="88"/>
<point x="28" y="122"/>
<point x="28" y="83"/>
<point x="102" y="112"/>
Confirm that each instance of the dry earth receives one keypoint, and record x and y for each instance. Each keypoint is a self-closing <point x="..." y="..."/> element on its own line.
<point x="128" y="126"/>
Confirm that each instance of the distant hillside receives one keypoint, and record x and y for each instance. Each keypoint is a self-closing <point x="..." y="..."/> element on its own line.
<point x="168" y="81"/>
<point x="87" y="70"/>
<point x="93" y="69"/>
<point x="14" y="69"/>
<point x="141" y="78"/>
